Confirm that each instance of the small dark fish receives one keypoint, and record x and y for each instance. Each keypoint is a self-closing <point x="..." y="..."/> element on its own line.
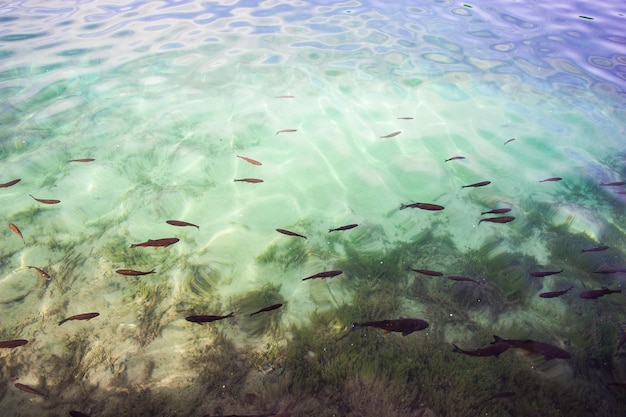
<point x="427" y="272"/>
<point x="541" y="274"/>
<point x="82" y="160"/>
<point x="287" y="131"/>
<point x="423" y="206"/>
<point x="10" y="183"/>
<point x="509" y="141"/>
<point x="17" y="231"/>
<point x="554" y="294"/>
<point x="181" y="223"/>
<point x="496" y="211"/>
<point x="405" y="118"/>
<point x="250" y="180"/>
<point x="595" y="249"/>
<point x="156" y="243"/>
<point x="201" y="319"/>
<point x="538" y="348"/>
<point x="611" y="271"/>
<point x="325" y="274"/>
<point x="83" y="316"/>
<point x="133" y="273"/>
<point x="43" y="273"/>
<point x="249" y="160"/>
<point x="346" y="227"/>
<point x="289" y="233"/>
<point x="29" y="389"/>
<point x="593" y="294"/>
<point x="45" y="200"/>
<point x="552" y="179"/>
<point x="612" y="184"/>
<point x="454" y="158"/>
<point x="503" y="219"/>
<point x="462" y="279"/>
<point x="404" y="326"/>
<point x="264" y="309"/>
<point x="503" y="394"/>
<point x="391" y="135"/>
<point x="10" y="344"/>
<point x="494" y="349"/>
<point x="285" y="96"/>
<point x="477" y="184"/>
<point x="78" y="414"/>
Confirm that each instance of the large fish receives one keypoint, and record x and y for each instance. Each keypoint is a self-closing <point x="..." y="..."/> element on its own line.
<point x="495" y="349"/>
<point x="477" y="184"/>
<point x="250" y="180"/>
<point x="612" y="184"/>
<point x="346" y="227"/>
<point x="290" y="233"/>
<point x="538" y="348"/>
<point x="401" y="325"/>
<point x="501" y="219"/>
<point x="181" y="223"/>
<point x="552" y="179"/>
<point x="83" y="316"/>
<point x="554" y="294"/>
<point x="29" y="389"/>
<point x="41" y="272"/>
<point x="10" y="183"/>
<point x="325" y="274"/>
<point x="496" y="211"/>
<point x="10" y="344"/>
<point x="593" y="294"/>
<point x="455" y="158"/>
<point x="156" y="243"/>
<point x="427" y="272"/>
<point x="595" y="249"/>
<point x="268" y="308"/>
<point x="391" y="135"/>
<point x="462" y="279"/>
<point x="201" y="319"/>
<point x="423" y="206"/>
<point x="82" y="160"/>
<point x="17" y="231"/>
<point x="134" y="273"/>
<point x="249" y="160"/>
<point x="541" y="274"/>
<point x="45" y="200"/>
<point x="287" y="131"/>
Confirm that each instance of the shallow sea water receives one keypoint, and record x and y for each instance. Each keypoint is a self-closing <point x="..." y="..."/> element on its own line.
<point x="165" y="96"/>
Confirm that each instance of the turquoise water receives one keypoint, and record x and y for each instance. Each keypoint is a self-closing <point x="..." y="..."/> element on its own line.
<point x="165" y="96"/>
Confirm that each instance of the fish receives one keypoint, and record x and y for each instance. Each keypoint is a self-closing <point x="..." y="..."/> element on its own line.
<point x="509" y="141"/>
<point x="401" y="325"/>
<point x="201" y="319"/>
<point x="82" y="160"/>
<point x="502" y="219"/>
<point x="454" y="158"/>
<point x="496" y="211"/>
<point x="10" y="344"/>
<point x="10" y="183"/>
<point x="78" y="414"/>
<point x="611" y="271"/>
<point x="612" y="184"/>
<point x="423" y="206"/>
<point x="552" y="179"/>
<point x="17" y="231"/>
<point x="477" y="184"/>
<point x="156" y="243"/>
<point x="405" y="118"/>
<point x="133" y="273"/>
<point x="554" y="294"/>
<point x="325" y="274"/>
<point x="503" y="394"/>
<point x="595" y="249"/>
<point x="391" y="135"/>
<point x="428" y="272"/>
<point x="264" y="309"/>
<point x="29" y="389"/>
<point x="285" y="97"/>
<point x="43" y="273"/>
<point x="539" y="348"/>
<point x="249" y="160"/>
<point x="289" y="233"/>
<point x="346" y="227"/>
<point x="462" y="279"/>
<point x="593" y="294"/>
<point x="287" y="131"/>
<point x="45" y="200"/>
<point x="250" y="180"/>
<point x="541" y="274"/>
<point x="83" y="316"/>
<point x="494" y="349"/>
<point x="181" y="223"/>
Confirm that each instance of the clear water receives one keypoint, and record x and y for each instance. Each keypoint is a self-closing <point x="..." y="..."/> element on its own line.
<point x="165" y="95"/>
